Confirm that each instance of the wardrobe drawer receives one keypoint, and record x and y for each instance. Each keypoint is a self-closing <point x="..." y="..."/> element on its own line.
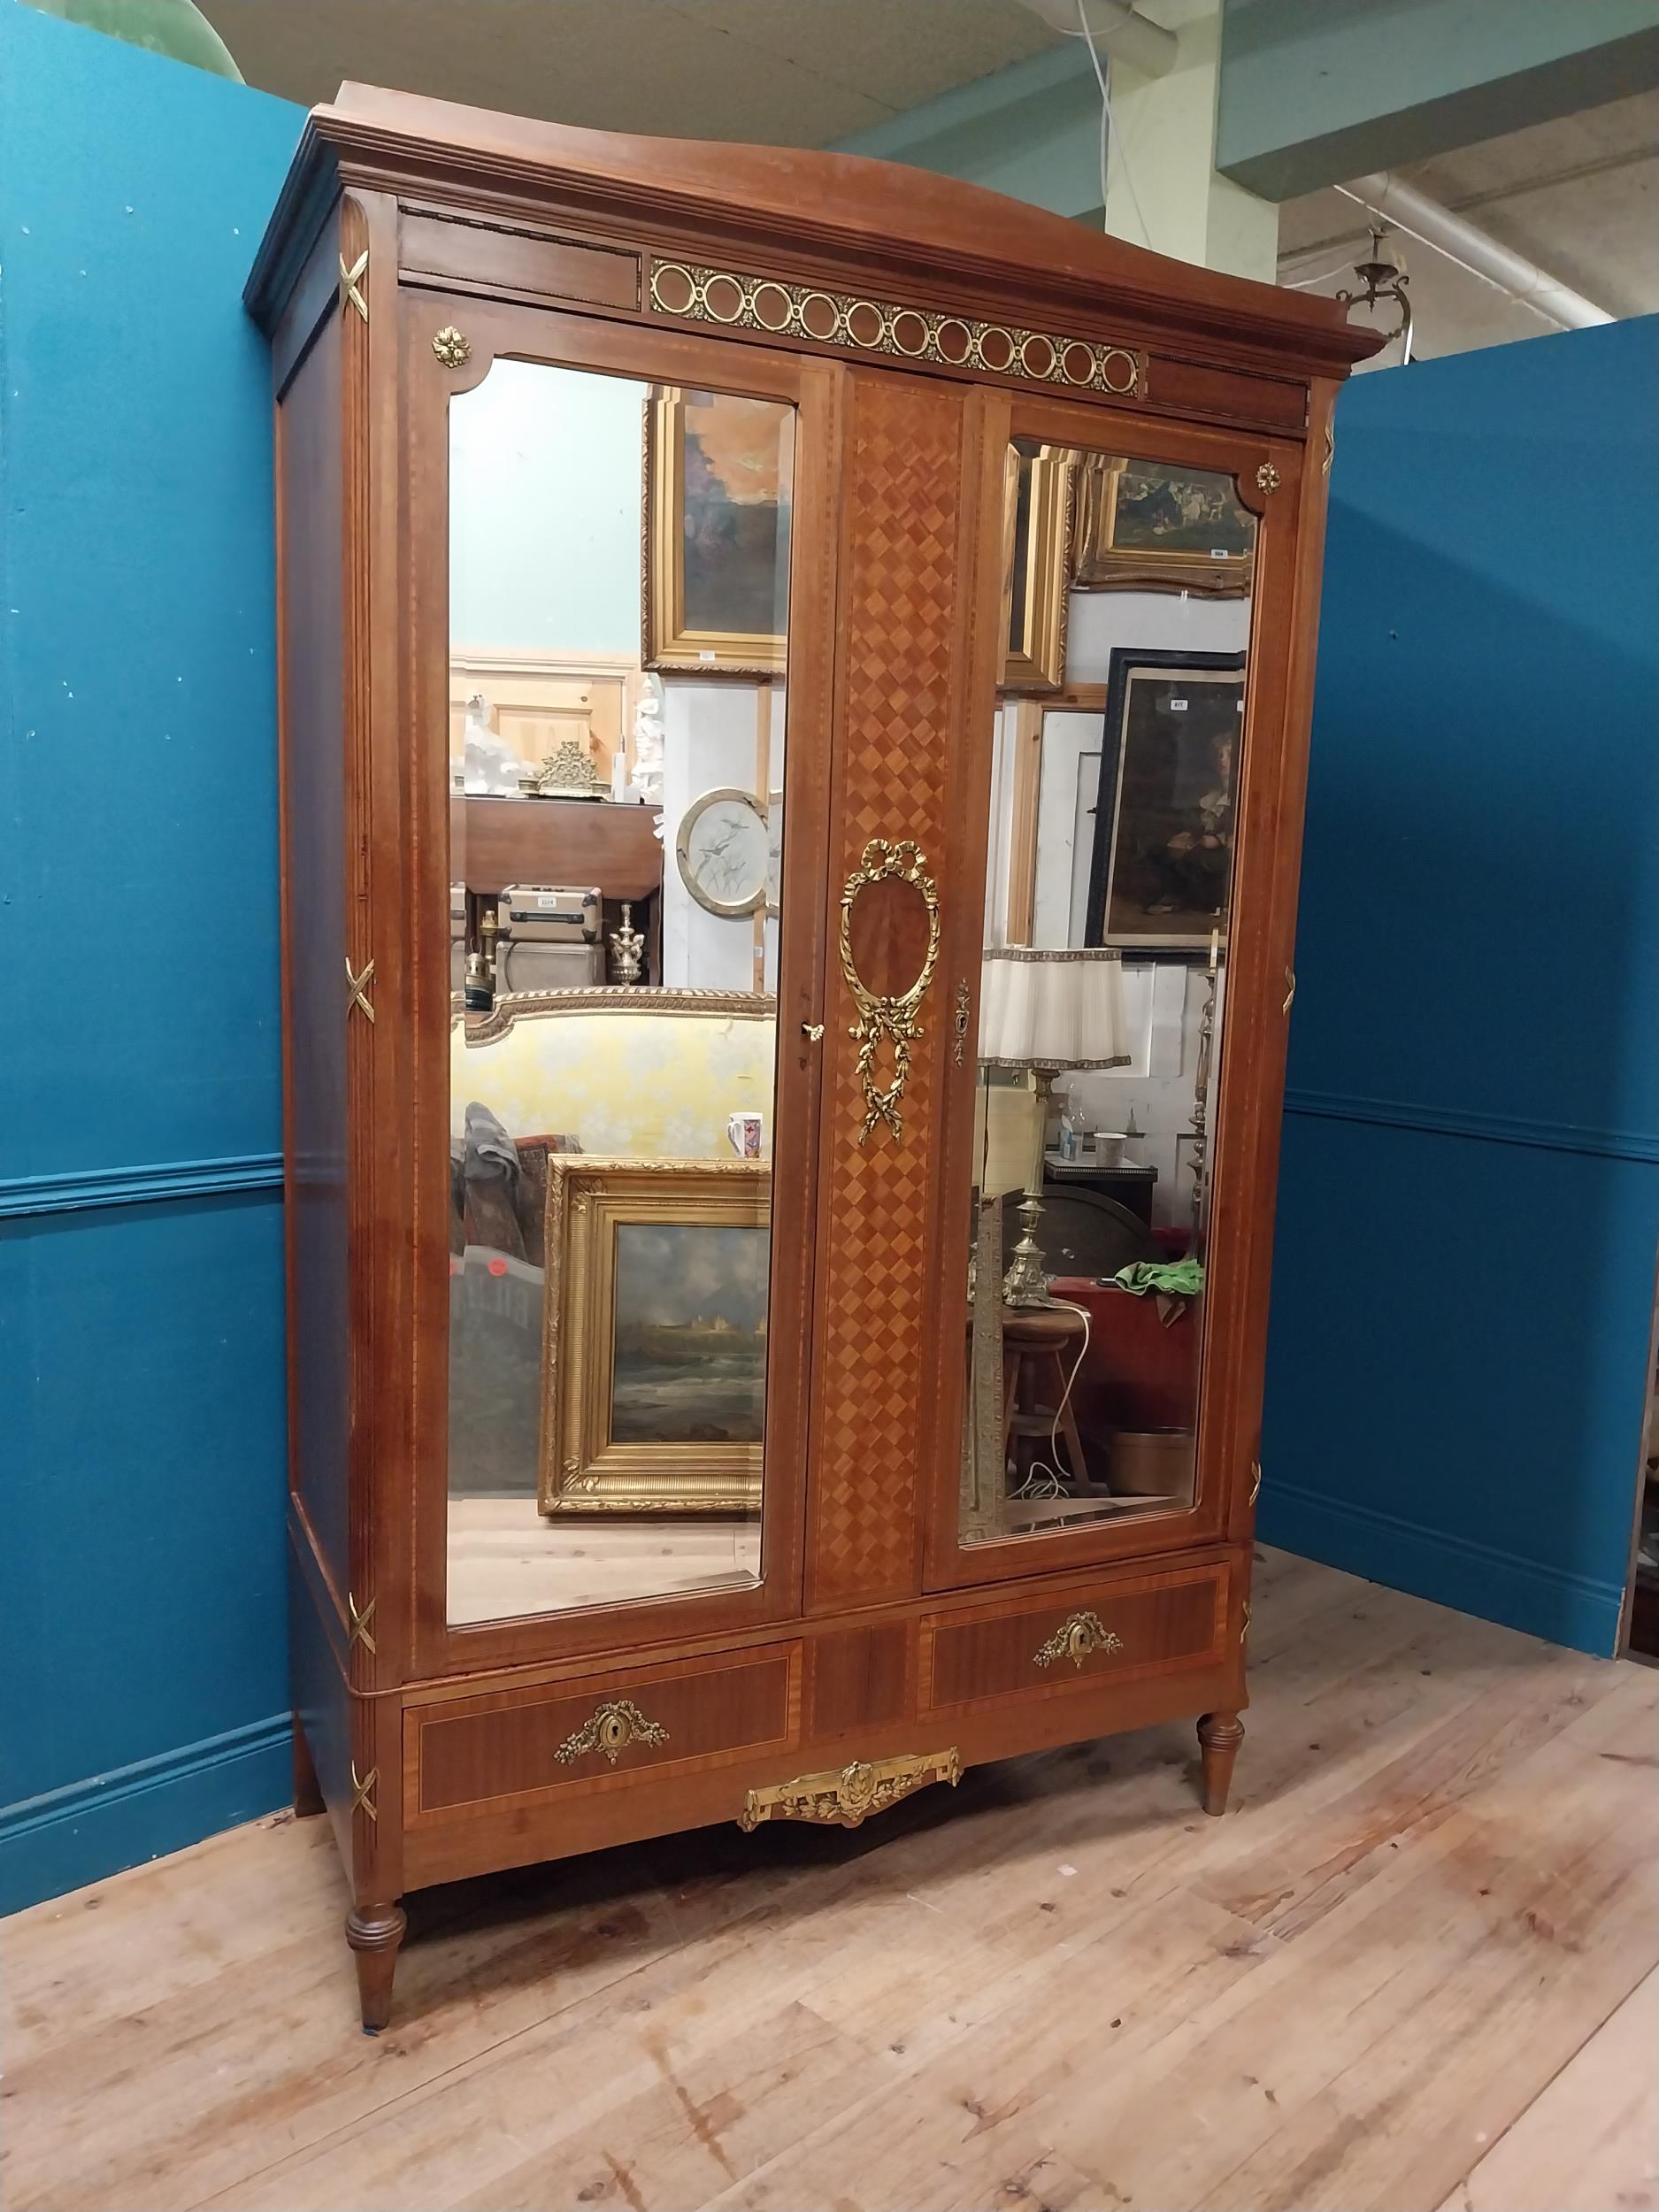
<point x="1128" y="1628"/>
<point x="604" y="1732"/>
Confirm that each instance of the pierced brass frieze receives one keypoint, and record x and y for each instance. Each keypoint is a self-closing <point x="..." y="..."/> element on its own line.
<point x="610" y="1728"/>
<point x="888" y="1016"/>
<point x="1077" y="1635"/>
<point x="845" y="1799"/>
<point x="914" y="334"/>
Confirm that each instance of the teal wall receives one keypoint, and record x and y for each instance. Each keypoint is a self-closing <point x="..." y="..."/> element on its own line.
<point x="142" y="1444"/>
<point x="1469" y="1209"/>
<point x="1316" y="91"/>
<point x="1031" y="130"/>
<point x="544" y="525"/>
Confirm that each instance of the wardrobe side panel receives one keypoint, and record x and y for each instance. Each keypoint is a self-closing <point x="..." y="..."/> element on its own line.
<point x="314" y="992"/>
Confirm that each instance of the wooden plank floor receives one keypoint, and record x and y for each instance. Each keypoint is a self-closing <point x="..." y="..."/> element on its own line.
<point x="1413" y="1969"/>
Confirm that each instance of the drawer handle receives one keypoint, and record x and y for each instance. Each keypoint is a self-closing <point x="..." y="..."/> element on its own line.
<point x="610" y="1728"/>
<point x="1077" y="1635"/>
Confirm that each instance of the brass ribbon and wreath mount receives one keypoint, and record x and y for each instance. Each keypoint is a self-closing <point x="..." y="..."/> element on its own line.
<point x="890" y="1016"/>
<point x="846" y="1798"/>
<point x="1077" y="1636"/>
<point x="610" y="1728"/>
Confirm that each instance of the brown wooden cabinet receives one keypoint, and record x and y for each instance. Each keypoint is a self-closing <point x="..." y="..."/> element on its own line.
<point x="813" y="393"/>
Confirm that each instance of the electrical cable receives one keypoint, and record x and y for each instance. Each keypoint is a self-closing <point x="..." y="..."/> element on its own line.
<point x="1052" y="1485"/>
<point x="1107" y="125"/>
<point x="1303" y="284"/>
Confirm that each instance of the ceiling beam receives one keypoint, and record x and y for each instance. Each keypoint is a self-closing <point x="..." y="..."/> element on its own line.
<point x="1031" y="131"/>
<point x="1315" y="91"/>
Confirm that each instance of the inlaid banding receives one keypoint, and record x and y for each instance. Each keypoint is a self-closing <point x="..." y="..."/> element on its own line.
<point x="912" y="333"/>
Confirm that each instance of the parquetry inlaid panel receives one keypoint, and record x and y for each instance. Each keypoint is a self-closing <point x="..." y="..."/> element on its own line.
<point x="899" y="701"/>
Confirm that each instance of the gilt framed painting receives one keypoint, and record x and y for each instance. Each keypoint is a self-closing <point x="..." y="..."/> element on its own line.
<point x="1039" y="488"/>
<point x="1161" y="870"/>
<point x="717" y="481"/>
<point x="1145" y="526"/>
<point x="654" y="1372"/>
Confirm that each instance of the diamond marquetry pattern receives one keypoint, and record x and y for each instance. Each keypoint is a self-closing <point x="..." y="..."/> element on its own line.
<point x="899" y="701"/>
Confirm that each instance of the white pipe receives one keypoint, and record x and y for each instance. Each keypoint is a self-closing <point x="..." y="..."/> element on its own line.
<point x="1117" y="30"/>
<point x="1420" y="217"/>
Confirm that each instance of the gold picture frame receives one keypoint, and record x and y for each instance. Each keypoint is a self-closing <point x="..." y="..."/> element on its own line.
<point x="1145" y="526"/>
<point x="716" y="545"/>
<point x="610" y="1366"/>
<point x="1039" y="509"/>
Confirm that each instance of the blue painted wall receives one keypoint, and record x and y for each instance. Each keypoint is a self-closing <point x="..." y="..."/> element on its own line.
<point x="142" y="1445"/>
<point x="1469" y="1207"/>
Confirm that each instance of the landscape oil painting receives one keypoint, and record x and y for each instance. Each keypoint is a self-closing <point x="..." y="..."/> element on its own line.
<point x="717" y="537"/>
<point x="654" y="1351"/>
<point x="690" y="1344"/>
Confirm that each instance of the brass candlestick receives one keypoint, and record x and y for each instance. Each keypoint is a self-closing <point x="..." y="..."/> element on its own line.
<point x="626" y="946"/>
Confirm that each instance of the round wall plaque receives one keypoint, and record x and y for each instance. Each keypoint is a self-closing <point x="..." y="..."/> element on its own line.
<point x="723" y="850"/>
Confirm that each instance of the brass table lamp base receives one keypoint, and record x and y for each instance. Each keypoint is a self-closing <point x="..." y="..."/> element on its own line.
<point x="1027" y="1281"/>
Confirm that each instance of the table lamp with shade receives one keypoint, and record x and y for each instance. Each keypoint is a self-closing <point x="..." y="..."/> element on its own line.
<point x="1047" y="1011"/>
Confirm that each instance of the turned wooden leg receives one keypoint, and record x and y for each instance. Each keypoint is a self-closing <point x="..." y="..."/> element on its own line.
<point x="1219" y="1736"/>
<point x="308" y="1797"/>
<point x="374" y="1932"/>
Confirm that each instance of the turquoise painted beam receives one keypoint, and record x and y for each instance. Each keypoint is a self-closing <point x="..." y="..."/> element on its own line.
<point x="1031" y="131"/>
<point x="1315" y="91"/>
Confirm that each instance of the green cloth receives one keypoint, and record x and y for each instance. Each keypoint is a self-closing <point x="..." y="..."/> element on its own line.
<point x="1170" y="1279"/>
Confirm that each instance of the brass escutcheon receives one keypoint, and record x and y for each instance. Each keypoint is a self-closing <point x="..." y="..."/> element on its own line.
<point x="610" y="1729"/>
<point x="1077" y="1635"/>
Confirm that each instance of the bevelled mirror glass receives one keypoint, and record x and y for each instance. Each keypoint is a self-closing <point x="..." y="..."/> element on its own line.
<point x="1112" y="812"/>
<point x="618" y="640"/>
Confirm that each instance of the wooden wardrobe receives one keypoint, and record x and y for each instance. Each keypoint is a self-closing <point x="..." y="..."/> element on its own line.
<point x="640" y="1480"/>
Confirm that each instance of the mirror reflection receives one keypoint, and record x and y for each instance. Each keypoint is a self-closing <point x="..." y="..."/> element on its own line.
<point x="1113" y="797"/>
<point x="617" y="609"/>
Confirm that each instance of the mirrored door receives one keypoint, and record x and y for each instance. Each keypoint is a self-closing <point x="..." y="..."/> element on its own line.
<point x="1112" y="811"/>
<point x="617" y="668"/>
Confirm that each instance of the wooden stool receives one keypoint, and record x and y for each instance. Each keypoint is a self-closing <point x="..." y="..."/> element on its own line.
<point x="1041" y="1346"/>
